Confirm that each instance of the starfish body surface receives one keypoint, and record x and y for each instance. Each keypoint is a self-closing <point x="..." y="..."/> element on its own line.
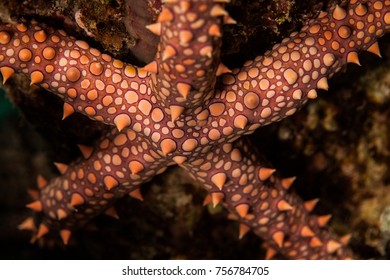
<point x="187" y="108"/>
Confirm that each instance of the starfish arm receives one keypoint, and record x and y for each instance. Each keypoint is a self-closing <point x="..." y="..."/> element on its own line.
<point x="115" y="167"/>
<point x="187" y="61"/>
<point x="95" y="84"/>
<point x="237" y="176"/>
<point x="276" y="85"/>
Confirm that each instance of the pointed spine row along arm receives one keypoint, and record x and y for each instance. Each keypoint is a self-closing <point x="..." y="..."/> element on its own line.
<point x="187" y="63"/>
<point x="260" y="200"/>
<point x="92" y="83"/>
<point x="276" y="85"/>
<point x="117" y="166"/>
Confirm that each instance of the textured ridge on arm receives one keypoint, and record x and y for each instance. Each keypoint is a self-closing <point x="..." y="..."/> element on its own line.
<point x="259" y="199"/>
<point x="188" y="57"/>
<point x="92" y="184"/>
<point x="276" y="85"/>
<point x="89" y="82"/>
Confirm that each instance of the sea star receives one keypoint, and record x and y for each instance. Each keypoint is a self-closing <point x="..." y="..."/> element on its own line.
<point x="175" y="111"/>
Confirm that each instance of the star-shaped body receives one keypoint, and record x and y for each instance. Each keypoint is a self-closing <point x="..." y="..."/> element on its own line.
<point x="187" y="108"/>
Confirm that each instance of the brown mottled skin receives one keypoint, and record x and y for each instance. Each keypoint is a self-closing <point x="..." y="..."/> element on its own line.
<point x="187" y="108"/>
